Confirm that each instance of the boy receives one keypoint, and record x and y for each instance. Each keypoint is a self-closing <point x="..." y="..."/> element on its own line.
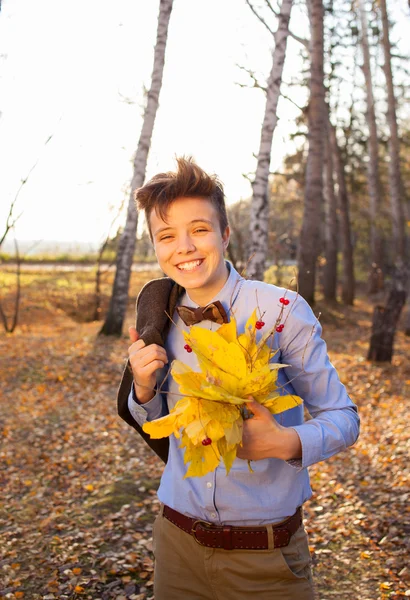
<point x="218" y="536"/>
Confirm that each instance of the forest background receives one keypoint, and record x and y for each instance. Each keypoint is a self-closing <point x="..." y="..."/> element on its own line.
<point x="302" y="109"/>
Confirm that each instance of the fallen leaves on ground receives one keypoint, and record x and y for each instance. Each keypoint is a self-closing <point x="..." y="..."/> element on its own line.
<point x="78" y="485"/>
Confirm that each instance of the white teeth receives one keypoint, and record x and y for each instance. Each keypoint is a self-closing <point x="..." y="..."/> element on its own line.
<point x="189" y="265"/>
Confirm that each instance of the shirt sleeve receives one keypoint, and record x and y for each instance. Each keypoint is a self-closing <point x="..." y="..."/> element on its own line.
<point x="335" y="423"/>
<point x="151" y="410"/>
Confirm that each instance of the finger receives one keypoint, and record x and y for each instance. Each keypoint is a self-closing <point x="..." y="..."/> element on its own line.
<point x="146" y="366"/>
<point x="136" y="346"/>
<point x="144" y="359"/>
<point x="243" y="453"/>
<point x="146" y="353"/>
<point x="146" y="375"/>
<point x="134" y="335"/>
<point x="155" y="365"/>
<point x="257" y="409"/>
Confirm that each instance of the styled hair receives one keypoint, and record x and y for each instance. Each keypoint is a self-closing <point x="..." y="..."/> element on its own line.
<point x="189" y="181"/>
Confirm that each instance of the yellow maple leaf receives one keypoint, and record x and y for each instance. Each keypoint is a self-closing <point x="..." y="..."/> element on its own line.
<point x="250" y="329"/>
<point x="162" y="427"/>
<point x="228" y="453"/>
<point x="226" y="356"/>
<point x="279" y="404"/>
<point x="228" y="331"/>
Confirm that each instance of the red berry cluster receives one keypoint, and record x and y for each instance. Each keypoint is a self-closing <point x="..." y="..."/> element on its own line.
<point x="284" y="301"/>
<point x="259" y="324"/>
<point x="206" y="441"/>
<point x="188" y="348"/>
<point x="280" y="327"/>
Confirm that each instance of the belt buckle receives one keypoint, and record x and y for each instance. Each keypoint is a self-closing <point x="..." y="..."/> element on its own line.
<point x="194" y="526"/>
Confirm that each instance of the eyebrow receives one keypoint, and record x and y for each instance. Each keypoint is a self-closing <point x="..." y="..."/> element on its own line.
<point x="190" y="223"/>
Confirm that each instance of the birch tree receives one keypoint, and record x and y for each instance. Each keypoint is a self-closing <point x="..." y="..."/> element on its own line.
<point x="348" y="281"/>
<point x="119" y="298"/>
<point x="259" y="221"/>
<point x="308" y="246"/>
<point x="373" y="175"/>
<point x="331" y="226"/>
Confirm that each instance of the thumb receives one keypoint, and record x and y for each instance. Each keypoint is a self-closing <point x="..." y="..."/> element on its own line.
<point x="134" y="335"/>
<point x="258" y="410"/>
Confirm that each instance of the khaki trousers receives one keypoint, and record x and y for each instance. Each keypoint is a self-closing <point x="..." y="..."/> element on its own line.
<point x="185" y="570"/>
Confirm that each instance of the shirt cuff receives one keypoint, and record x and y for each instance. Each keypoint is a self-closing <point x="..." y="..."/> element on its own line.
<point x="311" y="437"/>
<point x="149" y="411"/>
<point x="297" y="463"/>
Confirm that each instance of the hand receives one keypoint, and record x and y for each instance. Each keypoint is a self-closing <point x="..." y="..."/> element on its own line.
<point x="263" y="437"/>
<point x="145" y="361"/>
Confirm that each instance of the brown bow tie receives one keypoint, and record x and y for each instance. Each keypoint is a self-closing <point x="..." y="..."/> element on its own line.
<point x="211" y="312"/>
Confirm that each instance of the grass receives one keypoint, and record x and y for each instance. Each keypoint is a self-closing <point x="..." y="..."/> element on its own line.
<point x="71" y="258"/>
<point x="71" y="292"/>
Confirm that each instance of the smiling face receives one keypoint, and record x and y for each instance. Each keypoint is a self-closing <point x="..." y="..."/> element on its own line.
<point x="190" y="247"/>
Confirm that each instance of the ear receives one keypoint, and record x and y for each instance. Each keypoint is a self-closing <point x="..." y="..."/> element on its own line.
<point x="225" y="237"/>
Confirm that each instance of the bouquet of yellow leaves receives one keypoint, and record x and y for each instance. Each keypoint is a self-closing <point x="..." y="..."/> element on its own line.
<point x="209" y="417"/>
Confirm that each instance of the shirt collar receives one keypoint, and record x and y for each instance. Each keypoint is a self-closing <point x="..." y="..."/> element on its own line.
<point x="227" y="295"/>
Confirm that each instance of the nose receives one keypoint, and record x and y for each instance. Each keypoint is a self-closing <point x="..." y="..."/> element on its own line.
<point x="185" y="244"/>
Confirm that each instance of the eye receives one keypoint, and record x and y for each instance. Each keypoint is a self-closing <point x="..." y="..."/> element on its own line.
<point x="200" y="230"/>
<point x="165" y="237"/>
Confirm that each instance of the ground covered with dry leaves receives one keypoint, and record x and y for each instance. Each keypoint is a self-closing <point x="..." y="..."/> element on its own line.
<point x="78" y="486"/>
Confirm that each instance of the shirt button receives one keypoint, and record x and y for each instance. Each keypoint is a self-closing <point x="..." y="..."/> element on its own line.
<point x="209" y="484"/>
<point x="213" y="515"/>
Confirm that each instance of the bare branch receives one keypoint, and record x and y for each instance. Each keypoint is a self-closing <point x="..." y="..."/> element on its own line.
<point x="261" y="19"/>
<point x="302" y="41"/>
<point x="11" y="221"/>
<point x="248" y="177"/>
<point x="293" y="102"/>
<point x="9" y="225"/>
<point x="252" y="75"/>
<point x="271" y="8"/>
<point x="126" y="99"/>
<point x="287" y="176"/>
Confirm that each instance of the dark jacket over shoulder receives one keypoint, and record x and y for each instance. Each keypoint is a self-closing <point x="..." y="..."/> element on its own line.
<point x="157" y="299"/>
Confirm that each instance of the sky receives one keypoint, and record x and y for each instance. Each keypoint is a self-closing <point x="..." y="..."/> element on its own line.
<point x="76" y="71"/>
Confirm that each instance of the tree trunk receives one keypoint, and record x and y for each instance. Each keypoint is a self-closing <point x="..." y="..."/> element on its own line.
<point x="308" y="246"/>
<point x="407" y="319"/>
<point x="384" y="325"/>
<point x="331" y="228"/>
<point x="348" y="281"/>
<point x="395" y="182"/>
<point x="14" y="318"/>
<point x="259" y="217"/>
<point x="97" y="287"/>
<point x="373" y="177"/>
<point x="119" y="298"/>
<point x="407" y="324"/>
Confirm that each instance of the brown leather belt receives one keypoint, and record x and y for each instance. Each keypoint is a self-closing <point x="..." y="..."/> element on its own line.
<point x="230" y="537"/>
